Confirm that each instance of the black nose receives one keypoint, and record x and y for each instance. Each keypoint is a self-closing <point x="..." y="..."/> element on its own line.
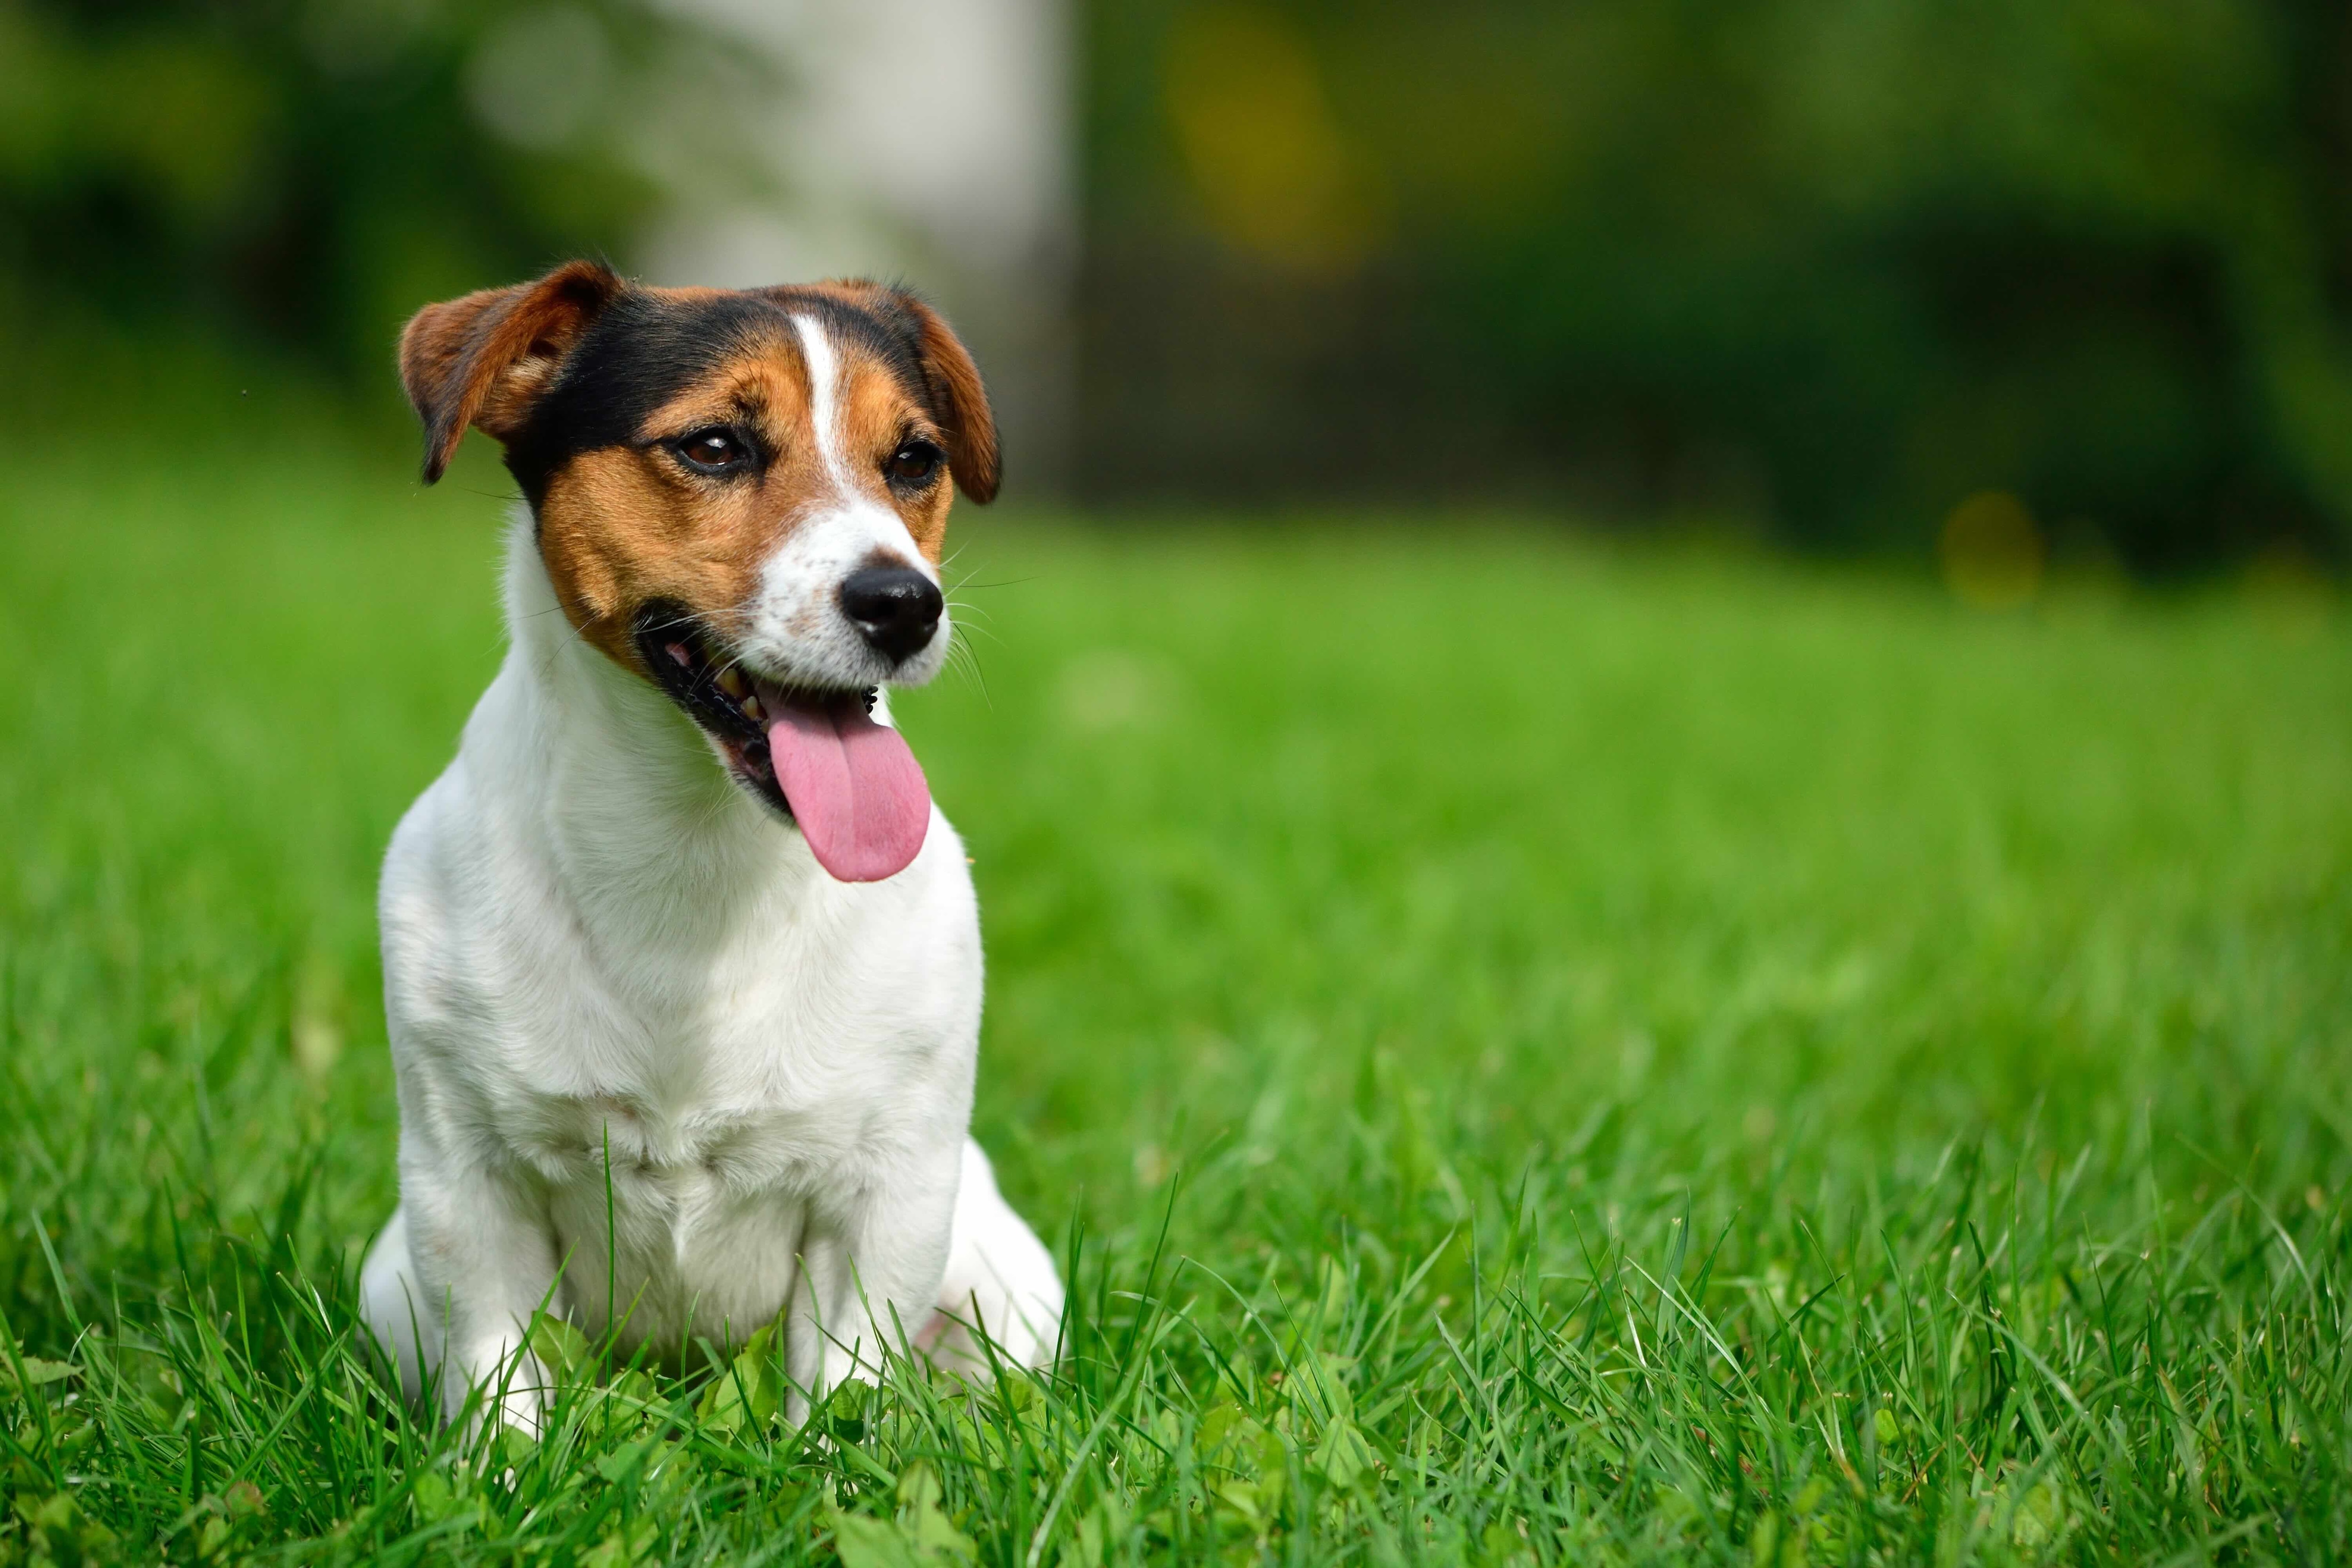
<point x="896" y="609"/>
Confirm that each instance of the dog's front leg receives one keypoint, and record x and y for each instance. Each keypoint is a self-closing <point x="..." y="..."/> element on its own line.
<point x="867" y="1278"/>
<point x="482" y="1260"/>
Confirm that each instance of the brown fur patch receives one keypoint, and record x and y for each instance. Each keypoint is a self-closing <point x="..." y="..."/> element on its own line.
<point x="623" y="524"/>
<point x="481" y="360"/>
<point x="967" y="424"/>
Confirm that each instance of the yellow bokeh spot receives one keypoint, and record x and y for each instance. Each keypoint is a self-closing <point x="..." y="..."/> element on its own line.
<point x="2290" y="593"/>
<point x="1992" y="552"/>
<point x="1267" y="160"/>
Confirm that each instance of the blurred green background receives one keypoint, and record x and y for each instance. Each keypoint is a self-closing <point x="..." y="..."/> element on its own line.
<point x="1672" y="946"/>
<point x="1837" y="264"/>
<point x="1829" y="271"/>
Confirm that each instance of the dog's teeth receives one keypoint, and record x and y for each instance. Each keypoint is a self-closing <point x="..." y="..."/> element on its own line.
<point x="677" y="651"/>
<point x="732" y="682"/>
<point x="754" y="711"/>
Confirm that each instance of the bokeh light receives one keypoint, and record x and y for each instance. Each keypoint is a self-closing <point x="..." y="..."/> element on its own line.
<point x="1268" y="163"/>
<point x="1991" y="552"/>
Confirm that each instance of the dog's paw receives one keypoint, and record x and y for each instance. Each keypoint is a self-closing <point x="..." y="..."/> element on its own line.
<point x="1001" y="1283"/>
<point x="506" y="1390"/>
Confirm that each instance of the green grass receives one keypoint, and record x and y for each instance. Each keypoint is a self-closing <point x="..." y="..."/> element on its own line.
<point x="1543" y="1053"/>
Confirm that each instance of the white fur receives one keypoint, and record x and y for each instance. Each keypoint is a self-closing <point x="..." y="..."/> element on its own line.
<point x="609" y="972"/>
<point x="792" y="625"/>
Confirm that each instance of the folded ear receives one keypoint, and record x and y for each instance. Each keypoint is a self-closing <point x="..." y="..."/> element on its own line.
<point x="959" y="399"/>
<point x="484" y="359"/>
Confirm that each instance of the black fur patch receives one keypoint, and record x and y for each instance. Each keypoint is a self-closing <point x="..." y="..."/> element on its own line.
<point x="642" y="349"/>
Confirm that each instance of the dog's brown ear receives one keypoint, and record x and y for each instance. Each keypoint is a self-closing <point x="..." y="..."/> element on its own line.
<point x="484" y="359"/>
<point x="960" y="399"/>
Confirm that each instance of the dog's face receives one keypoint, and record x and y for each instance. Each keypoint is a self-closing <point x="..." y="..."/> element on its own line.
<point x="741" y="497"/>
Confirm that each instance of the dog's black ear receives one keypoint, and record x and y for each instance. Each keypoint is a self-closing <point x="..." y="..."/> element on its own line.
<point x="484" y="359"/>
<point x="958" y="398"/>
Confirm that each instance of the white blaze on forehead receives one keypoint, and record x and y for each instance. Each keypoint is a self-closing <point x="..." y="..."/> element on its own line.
<point x="825" y="410"/>
<point x="856" y="515"/>
<point x="799" y="631"/>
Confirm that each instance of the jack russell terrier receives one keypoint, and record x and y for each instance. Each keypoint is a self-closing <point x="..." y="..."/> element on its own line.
<point x="682" y="966"/>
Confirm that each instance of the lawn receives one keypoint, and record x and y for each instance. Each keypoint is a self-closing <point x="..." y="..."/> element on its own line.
<point x="1541" y="1051"/>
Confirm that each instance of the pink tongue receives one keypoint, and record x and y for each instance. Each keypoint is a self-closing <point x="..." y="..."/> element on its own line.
<point x="854" y="788"/>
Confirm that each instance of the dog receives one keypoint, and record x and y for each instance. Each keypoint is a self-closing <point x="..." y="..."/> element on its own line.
<point x="682" y="965"/>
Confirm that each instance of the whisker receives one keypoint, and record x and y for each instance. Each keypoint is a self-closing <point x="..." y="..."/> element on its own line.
<point x="683" y="620"/>
<point x="963" y="658"/>
<point x="959" y="605"/>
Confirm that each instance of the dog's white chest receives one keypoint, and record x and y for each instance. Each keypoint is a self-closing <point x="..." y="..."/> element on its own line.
<point x="795" y="1127"/>
<point x="702" y="1064"/>
<point x="665" y="1221"/>
<point x="697" y="1120"/>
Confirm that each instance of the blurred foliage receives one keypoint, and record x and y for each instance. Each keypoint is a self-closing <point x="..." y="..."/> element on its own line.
<point x="301" y="174"/>
<point x="1845" y="264"/>
<point x="1874" y="271"/>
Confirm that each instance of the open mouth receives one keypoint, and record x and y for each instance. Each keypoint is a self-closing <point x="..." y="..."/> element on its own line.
<point x="816" y="756"/>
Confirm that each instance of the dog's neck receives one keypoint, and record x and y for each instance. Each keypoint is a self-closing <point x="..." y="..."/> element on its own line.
<point x="617" y="786"/>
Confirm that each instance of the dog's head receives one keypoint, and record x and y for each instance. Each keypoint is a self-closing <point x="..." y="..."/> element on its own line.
<point x="741" y="497"/>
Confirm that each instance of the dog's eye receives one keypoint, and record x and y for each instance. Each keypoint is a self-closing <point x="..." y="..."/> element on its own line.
<point x="914" y="463"/>
<point x="712" y="451"/>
